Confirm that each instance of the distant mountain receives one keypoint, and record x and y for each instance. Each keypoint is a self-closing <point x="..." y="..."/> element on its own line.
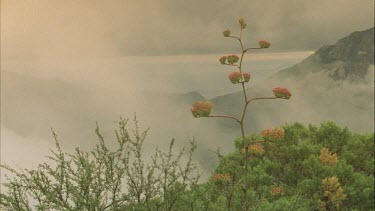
<point x="32" y="105"/>
<point x="189" y="97"/>
<point x="333" y="84"/>
<point x="348" y="59"/>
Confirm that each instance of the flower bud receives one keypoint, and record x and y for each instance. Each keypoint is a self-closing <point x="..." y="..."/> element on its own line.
<point x="264" y="44"/>
<point x="242" y="23"/>
<point x="282" y="93"/>
<point x="201" y="109"/>
<point x="232" y="59"/>
<point x="226" y="33"/>
<point x="246" y="77"/>
<point x="235" y="77"/>
<point x="223" y="59"/>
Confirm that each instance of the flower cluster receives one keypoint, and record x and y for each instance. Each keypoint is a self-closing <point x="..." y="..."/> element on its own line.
<point x="328" y="157"/>
<point x="274" y="133"/>
<point x="235" y="77"/>
<point x="256" y="148"/>
<point x="330" y="184"/>
<point x="242" y="23"/>
<point x="221" y="178"/>
<point x="277" y="191"/>
<point x="282" y="93"/>
<point x="232" y="59"/>
<point x="333" y="194"/>
<point x="246" y="77"/>
<point x="201" y="109"/>
<point x="223" y="59"/>
<point x="226" y="33"/>
<point x="264" y="44"/>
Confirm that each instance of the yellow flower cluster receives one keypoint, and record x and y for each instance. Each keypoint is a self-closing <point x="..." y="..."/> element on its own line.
<point x="277" y="191"/>
<point x="327" y="157"/>
<point x="221" y="178"/>
<point x="256" y="148"/>
<point x="276" y="133"/>
<point x="242" y="23"/>
<point x="333" y="194"/>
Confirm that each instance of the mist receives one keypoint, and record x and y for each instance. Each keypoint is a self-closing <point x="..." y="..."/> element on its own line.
<point x="66" y="65"/>
<point x="316" y="99"/>
<point x="87" y="29"/>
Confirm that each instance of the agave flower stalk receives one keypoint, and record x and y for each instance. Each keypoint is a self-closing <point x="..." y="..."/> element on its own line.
<point x="239" y="77"/>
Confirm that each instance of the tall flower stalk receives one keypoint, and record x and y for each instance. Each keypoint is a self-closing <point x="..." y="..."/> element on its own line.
<point x="240" y="77"/>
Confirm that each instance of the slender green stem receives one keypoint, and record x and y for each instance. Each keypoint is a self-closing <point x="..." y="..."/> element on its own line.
<point x="242" y="125"/>
<point x="240" y="66"/>
<point x="241" y="34"/>
<point x="235" y="37"/>
<point x="242" y="48"/>
<point x="242" y="120"/>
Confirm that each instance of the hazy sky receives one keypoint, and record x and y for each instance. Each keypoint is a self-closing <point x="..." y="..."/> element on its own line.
<point x="40" y="28"/>
<point x="46" y="41"/>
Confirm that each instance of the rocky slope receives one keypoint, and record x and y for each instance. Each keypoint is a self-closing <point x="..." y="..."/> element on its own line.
<point x="335" y="83"/>
<point x="348" y="59"/>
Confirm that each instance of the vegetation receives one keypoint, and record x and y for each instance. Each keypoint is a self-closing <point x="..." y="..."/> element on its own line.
<point x="203" y="109"/>
<point x="297" y="173"/>
<point x="292" y="167"/>
<point x="103" y="179"/>
<point x="308" y="168"/>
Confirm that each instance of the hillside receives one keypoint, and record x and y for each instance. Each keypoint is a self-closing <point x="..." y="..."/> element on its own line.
<point x="335" y="83"/>
<point x="348" y="59"/>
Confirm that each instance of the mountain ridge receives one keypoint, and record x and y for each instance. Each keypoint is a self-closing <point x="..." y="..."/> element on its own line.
<point x="348" y="59"/>
<point x="330" y="85"/>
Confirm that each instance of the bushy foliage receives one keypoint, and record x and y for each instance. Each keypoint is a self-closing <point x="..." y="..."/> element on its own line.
<point x="288" y="175"/>
<point x="291" y="174"/>
<point x="103" y="179"/>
